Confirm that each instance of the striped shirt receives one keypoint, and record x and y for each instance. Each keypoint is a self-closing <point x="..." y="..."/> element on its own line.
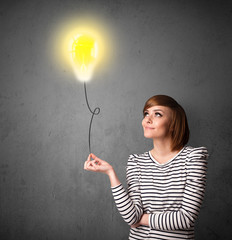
<point x="171" y="193"/>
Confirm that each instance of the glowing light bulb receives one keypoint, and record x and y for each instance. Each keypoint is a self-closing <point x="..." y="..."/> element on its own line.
<point x="84" y="50"/>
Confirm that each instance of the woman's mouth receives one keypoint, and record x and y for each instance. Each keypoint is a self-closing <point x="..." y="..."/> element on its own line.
<point x="149" y="128"/>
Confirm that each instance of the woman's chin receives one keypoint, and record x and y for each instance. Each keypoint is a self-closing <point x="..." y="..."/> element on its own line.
<point x="148" y="136"/>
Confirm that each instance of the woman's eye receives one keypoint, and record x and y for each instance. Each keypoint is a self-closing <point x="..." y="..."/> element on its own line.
<point x="158" y="114"/>
<point x="145" y="114"/>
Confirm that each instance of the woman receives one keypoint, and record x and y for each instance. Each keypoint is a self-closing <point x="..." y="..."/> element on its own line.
<point x="165" y="185"/>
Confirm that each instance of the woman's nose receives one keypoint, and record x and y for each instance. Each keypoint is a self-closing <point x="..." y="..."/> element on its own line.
<point x="148" y="119"/>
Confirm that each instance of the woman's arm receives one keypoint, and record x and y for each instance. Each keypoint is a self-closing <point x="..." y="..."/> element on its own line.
<point x="128" y="203"/>
<point x="143" y="221"/>
<point x="193" y="196"/>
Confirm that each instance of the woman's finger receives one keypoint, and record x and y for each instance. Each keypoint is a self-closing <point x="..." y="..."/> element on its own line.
<point x="87" y="161"/>
<point x="91" y="166"/>
<point x="135" y="225"/>
<point x="94" y="157"/>
<point x="96" y="162"/>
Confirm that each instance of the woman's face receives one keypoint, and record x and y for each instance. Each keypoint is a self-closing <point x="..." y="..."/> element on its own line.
<point x="156" y="122"/>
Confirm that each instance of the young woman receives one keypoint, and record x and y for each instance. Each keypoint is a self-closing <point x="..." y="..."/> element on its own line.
<point x="165" y="185"/>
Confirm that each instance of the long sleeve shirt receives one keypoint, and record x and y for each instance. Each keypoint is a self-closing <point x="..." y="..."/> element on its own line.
<point x="171" y="193"/>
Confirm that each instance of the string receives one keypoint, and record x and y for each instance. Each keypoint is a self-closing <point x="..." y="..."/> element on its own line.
<point x="96" y="111"/>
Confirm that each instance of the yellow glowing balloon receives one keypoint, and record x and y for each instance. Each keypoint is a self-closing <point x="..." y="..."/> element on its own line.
<point x="83" y="55"/>
<point x="82" y="45"/>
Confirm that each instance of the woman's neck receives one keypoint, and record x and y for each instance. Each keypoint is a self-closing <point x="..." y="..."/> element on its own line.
<point x="162" y="151"/>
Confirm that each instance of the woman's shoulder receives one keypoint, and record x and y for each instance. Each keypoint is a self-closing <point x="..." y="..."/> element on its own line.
<point x="138" y="157"/>
<point x="196" y="152"/>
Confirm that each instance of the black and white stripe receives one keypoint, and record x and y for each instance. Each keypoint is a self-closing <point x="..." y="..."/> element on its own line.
<point x="171" y="193"/>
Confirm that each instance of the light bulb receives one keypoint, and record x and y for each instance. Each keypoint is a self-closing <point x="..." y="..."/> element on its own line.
<point x="84" y="51"/>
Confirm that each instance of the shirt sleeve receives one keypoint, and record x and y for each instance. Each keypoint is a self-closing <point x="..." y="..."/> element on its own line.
<point x="129" y="202"/>
<point x="193" y="196"/>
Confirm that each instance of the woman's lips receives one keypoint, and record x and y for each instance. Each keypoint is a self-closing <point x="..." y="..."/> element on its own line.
<point x="149" y="128"/>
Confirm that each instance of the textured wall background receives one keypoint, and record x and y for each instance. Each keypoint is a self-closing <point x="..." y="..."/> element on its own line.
<point x="179" y="48"/>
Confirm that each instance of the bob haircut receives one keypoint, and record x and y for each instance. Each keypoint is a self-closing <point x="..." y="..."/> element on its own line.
<point x="179" y="129"/>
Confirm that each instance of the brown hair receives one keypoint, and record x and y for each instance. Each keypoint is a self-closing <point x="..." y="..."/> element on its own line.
<point x="179" y="129"/>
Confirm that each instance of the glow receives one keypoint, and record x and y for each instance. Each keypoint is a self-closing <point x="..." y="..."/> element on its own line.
<point x="65" y="50"/>
<point x="83" y="56"/>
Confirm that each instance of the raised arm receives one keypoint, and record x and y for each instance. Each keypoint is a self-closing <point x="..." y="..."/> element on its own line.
<point x="128" y="203"/>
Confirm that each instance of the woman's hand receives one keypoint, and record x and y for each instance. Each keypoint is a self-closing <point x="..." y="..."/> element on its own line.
<point x="97" y="165"/>
<point x="135" y="225"/>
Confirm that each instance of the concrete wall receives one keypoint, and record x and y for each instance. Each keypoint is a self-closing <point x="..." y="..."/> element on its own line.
<point x="179" y="48"/>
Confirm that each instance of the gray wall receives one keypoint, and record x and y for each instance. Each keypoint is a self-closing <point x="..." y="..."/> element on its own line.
<point x="179" y="48"/>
